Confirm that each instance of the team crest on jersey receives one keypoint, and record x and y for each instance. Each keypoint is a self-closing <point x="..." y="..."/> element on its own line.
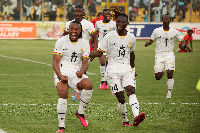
<point x="171" y="38"/>
<point x="129" y="45"/>
<point x="81" y="49"/>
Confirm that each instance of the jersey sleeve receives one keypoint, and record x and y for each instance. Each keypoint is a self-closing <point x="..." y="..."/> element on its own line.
<point x="58" y="47"/>
<point x="154" y="35"/>
<point x="178" y="35"/>
<point x="103" y="45"/>
<point x="86" y="51"/>
<point x="133" y="45"/>
<point x="90" y="28"/>
<point x="97" y="26"/>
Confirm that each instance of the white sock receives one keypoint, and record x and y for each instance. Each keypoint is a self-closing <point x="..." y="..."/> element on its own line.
<point x="134" y="104"/>
<point x="61" y="109"/>
<point x="170" y="84"/>
<point x="102" y="72"/>
<point x="123" y="111"/>
<point x="85" y="99"/>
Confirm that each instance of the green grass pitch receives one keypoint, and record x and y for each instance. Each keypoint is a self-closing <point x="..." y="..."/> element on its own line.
<point x="28" y="96"/>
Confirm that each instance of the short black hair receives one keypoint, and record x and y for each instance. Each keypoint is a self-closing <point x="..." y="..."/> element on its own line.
<point x="99" y="14"/>
<point x="106" y="10"/>
<point x="123" y="15"/>
<point x="77" y="22"/>
<point x="166" y="15"/>
<point x="78" y="6"/>
<point x="190" y="30"/>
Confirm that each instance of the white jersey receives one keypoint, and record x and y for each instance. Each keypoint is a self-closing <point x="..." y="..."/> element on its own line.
<point x="104" y="28"/>
<point x="117" y="47"/>
<point x="72" y="52"/>
<point x="87" y="27"/>
<point x="165" y="39"/>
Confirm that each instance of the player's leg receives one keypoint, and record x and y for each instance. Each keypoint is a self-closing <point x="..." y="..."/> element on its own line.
<point x="159" y="67"/>
<point x="129" y="83"/>
<point x="170" y="67"/>
<point x="122" y="107"/>
<point x="86" y="86"/>
<point x="170" y="82"/>
<point x="103" y="84"/>
<point x="62" y="89"/>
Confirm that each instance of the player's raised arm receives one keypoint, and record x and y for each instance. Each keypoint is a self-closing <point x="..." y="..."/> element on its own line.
<point x="148" y="43"/>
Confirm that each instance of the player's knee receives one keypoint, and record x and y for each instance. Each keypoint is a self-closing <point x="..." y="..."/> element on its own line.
<point x="121" y="99"/>
<point x="130" y="90"/>
<point x="88" y="86"/>
<point x="169" y="74"/>
<point x="102" y="63"/>
<point x="158" y="77"/>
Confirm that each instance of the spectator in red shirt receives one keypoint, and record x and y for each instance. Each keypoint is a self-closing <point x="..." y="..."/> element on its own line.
<point x="188" y="38"/>
<point x="98" y="18"/>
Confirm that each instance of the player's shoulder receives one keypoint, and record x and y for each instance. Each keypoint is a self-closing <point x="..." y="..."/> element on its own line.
<point x="86" y="22"/>
<point x="112" y="33"/>
<point x="99" y="22"/>
<point x="69" y="22"/>
<point x="112" y="22"/>
<point x="83" y="41"/>
<point x="159" y="29"/>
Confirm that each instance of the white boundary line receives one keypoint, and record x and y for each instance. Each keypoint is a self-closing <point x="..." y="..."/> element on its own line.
<point x="36" y="62"/>
<point x="21" y="104"/>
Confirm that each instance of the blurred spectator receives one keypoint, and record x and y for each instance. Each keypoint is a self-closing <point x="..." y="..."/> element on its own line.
<point x="6" y="8"/>
<point x="16" y="10"/>
<point x="195" y="5"/>
<point x="92" y="9"/>
<point x="146" y="4"/>
<point x="5" y="17"/>
<point x="70" y="12"/>
<point x="28" y="11"/>
<point x="103" y="4"/>
<point x="145" y="16"/>
<point x="135" y="10"/>
<point x="173" y="12"/>
<point x="157" y="12"/>
<point x="56" y="33"/>
<point x="136" y="3"/>
<point x="53" y="12"/>
<point x="36" y="14"/>
<point x="47" y="8"/>
<point x="180" y="15"/>
<point x="164" y="9"/>
<point x="13" y="5"/>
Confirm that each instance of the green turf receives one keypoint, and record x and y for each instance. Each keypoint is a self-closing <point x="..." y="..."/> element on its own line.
<point x="24" y="83"/>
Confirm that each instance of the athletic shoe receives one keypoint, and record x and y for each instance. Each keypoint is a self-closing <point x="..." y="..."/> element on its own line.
<point x="102" y="85"/>
<point x="82" y="119"/>
<point x="60" y="130"/>
<point x="105" y="85"/>
<point x="127" y="124"/>
<point x="168" y="96"/>
<point x="74" y="95"/>
<point x="138" y="119"/>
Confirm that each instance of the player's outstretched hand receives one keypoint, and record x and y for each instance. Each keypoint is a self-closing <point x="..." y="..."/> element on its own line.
<point x="79" y="74"/>
<point x="63" y="79"/>
<point x="147" y="44"/>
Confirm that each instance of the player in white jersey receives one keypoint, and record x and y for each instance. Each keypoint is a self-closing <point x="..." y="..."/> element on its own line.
<point x="165" y="58"/>
<point x="70" y="62"/>
<point x="87" y="31"/>
<point x="103" y="27"/>
<point x="119" y="46"/>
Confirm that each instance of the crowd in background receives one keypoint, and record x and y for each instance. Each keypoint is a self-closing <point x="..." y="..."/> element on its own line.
<point x="138" y="10"/>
